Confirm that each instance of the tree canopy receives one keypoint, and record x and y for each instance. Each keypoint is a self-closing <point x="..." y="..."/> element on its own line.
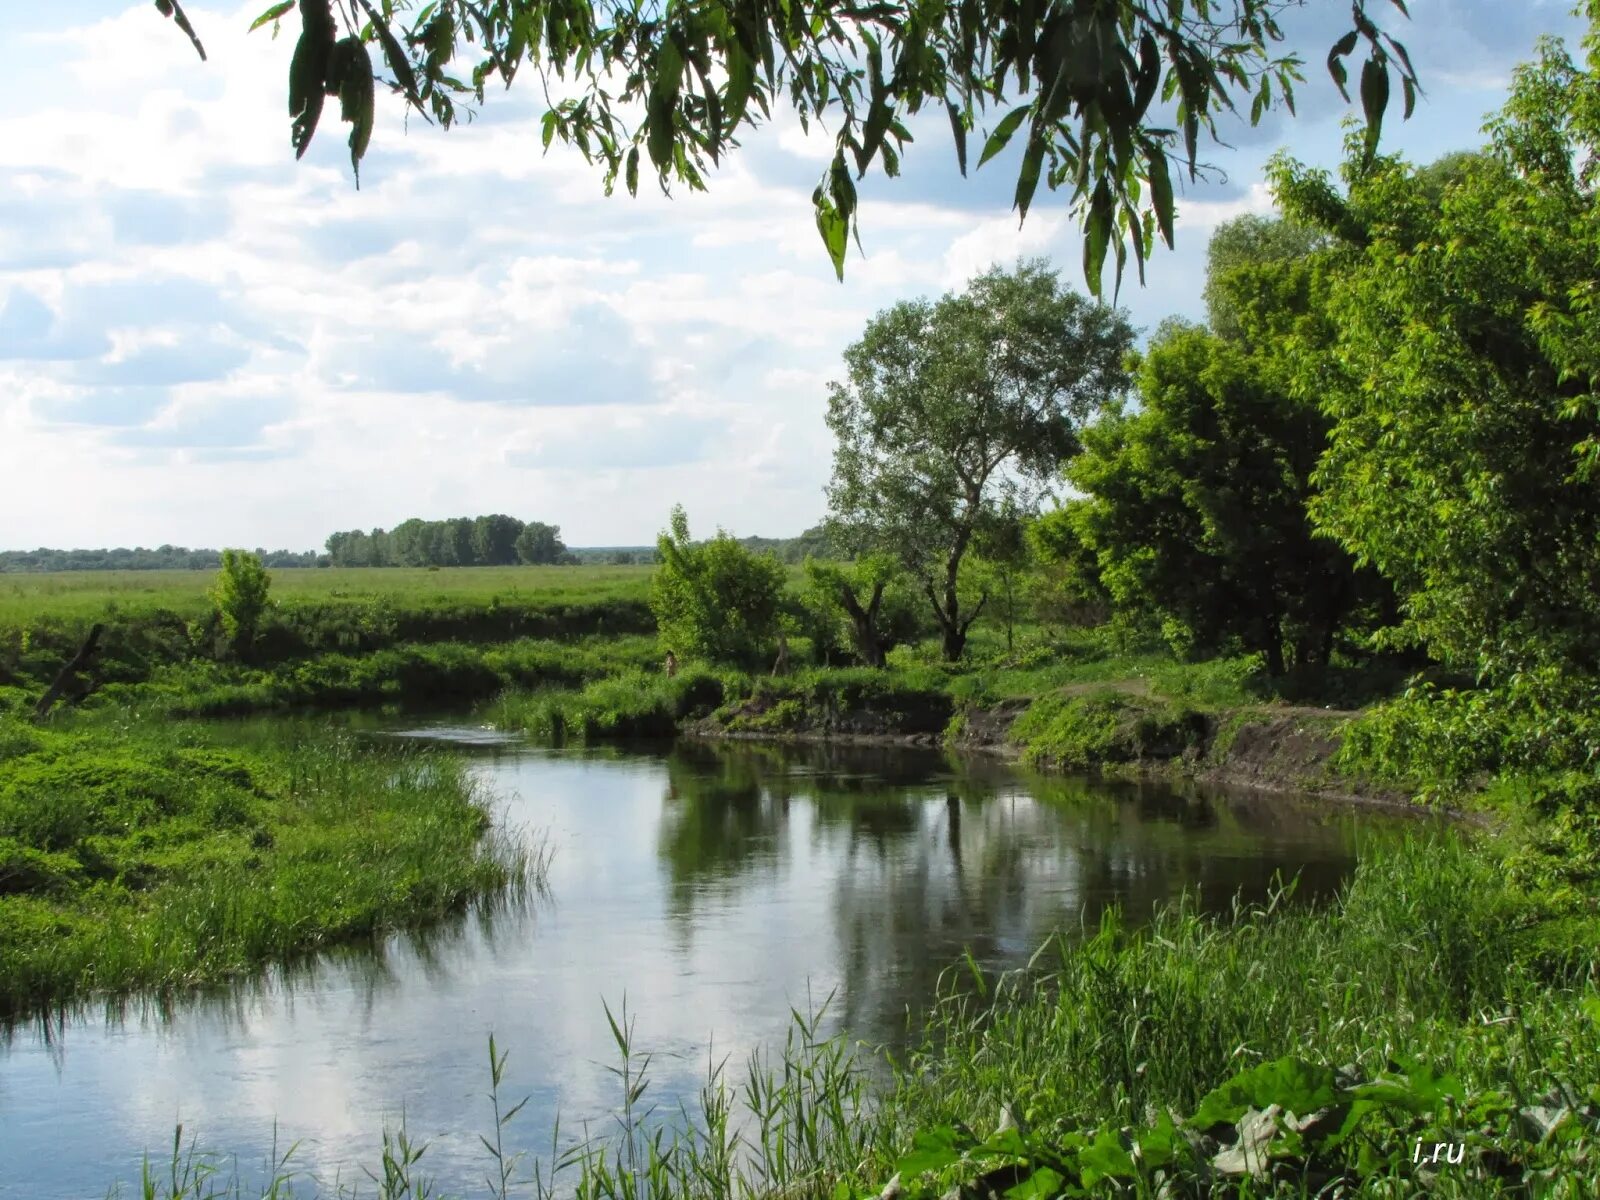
<point x="960" y="411"/>
<point x="1463" y="381"/>
<point x="492" y="540"/>
<point x="1108" y="95"/>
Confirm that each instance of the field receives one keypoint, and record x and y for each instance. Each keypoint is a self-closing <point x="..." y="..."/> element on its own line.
<point x="80" y="596"/>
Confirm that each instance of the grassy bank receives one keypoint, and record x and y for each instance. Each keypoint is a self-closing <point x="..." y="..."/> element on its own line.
<point x="1280" y="1051"/>
<point x="161" y="855"/>
<point x="415" y="675"/>
<point x="157" y="620"/>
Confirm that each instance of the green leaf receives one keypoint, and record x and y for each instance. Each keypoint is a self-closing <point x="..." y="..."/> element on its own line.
<point x="958" y="129"/>
<point x="1295" y="1085"/>
<point x="1335" y="67"/>
<point x="1097" y="235"/>
<point x="394" y="54"/>
<point x="741" y="82"/>
<point x="1149" y="77"/>
<point x="548" y="131"/>
<point x="357" y="100"/>
<point x="1002" y="133"/>
<point x="631" y="178"/>
<point x="308" y="74"/>
<point x="1041" y="1185"/>
<point x="931" y="1150"/>
<point x="659" y="128"/>
<point x="877" y="124"/>
<point x="662" y="103"/>
<point x="833" y="227"/>
<point x="1374" y="100"/>
<point x="1105" y="1158"/>
<point x="272" y="14"/>
<point x="1160" y="190"/>
<point x="1028" y="177"/>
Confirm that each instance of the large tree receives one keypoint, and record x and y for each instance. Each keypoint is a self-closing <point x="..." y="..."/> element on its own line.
<point x="1462" y="385"/>
<point x="1092" y="81"/>
<point x="959" y="411"/>
<point x="494" y="539"/>
<point x="1196" y="507"/>
<point x="539" y="543"/>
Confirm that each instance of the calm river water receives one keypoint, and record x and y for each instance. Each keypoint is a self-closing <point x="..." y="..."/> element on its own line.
<point x="708" y="888"/>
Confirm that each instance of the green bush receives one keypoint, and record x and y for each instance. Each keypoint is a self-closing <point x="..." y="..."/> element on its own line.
<point x="1445" y="740"/>
<point x="715" y="599"/>
<point x="240" y="595"/>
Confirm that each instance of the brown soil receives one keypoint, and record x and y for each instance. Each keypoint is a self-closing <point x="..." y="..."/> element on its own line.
<point x="1273" y="749"/>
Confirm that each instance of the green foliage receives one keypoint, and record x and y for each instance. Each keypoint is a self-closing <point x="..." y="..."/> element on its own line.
<point x="1196" y="507"/>
<point x="164" y="855"/>
<point x="1537" y="722"/>
<point x="421" y="676"/>
<point x="1084" y="82"/>
<point x="849" y="701"/>
<point x="868" y="604"/>
<point x="635" y="704"/>
<point x="1461" y="382"/>
<point x="1240" y="254"/>
<point x="715" y="599"/>
<point x="1105" y="727"/>
<point x="1067" y="589"/>
<point x="957" y="414"/>
<point x="240" y="594"/>
<point x="539" y="543"/>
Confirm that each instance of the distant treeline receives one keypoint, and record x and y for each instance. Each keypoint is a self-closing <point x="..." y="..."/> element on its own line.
<point x="495" y="540"/>
<point x="162" y="558"/>
<point x="499" y="540"/>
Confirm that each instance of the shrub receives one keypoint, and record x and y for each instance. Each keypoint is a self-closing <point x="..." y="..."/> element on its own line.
<point x="715" y="599"/>
<point x="240" y="595"/>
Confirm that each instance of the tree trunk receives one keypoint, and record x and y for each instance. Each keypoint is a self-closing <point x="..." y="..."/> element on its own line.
<point x="955" y="642"/>
<point x="954" y="630"/>
<point x="869" y="645"/>
<point x="80" y="662"/>
<point x="1274" y="648"/>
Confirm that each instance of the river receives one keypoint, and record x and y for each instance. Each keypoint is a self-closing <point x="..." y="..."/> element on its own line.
<point x="708" y="889"/>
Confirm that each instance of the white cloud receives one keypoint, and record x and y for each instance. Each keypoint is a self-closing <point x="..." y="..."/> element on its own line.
<point x="478" y="319"/>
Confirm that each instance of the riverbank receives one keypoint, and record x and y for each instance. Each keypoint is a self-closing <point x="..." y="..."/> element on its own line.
<point x="158" y="856"/>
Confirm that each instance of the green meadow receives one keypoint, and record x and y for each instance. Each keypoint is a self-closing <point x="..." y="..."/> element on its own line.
<point x="78" y="597"/>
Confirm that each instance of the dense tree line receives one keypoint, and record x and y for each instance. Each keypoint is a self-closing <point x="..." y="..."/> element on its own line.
<point x="1384" y="438"/>
<point x="162" y="558"/>
<point x="494" y="540"/>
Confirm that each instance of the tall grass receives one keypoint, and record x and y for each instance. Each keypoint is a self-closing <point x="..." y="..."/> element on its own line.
<point x="165" y="856"/>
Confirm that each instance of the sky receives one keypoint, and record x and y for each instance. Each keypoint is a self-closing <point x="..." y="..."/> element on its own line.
<point x="206" y="343"/>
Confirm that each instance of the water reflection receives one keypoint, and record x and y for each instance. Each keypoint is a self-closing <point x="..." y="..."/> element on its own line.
<point x="966" y="856"/>
<point x="713" y="886"/>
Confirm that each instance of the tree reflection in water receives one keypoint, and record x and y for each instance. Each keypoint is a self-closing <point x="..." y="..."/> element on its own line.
<point x="926" y="857"/>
